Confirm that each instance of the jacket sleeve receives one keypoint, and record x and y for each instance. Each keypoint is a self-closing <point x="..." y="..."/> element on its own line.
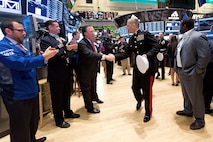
<point x="12" y="59"/>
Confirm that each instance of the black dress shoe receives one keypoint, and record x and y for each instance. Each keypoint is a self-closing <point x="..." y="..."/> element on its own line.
<point x="138" y="106"/>
<point x="146" y="118"/>
<point x="197" y="125"/>
<point x="99" y="101"/>
<point x="112" y="79"/>
<point x="109" y="82"/>
<point x="63" y="125"/>
<point x="181" y="112"/>
<point x="94" y="110"/>
<point x="41" y="139"/>
<point x="72" y="115"/>
<point x="208" y="111"/>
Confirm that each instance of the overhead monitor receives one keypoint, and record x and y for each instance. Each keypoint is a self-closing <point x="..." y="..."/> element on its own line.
<point x="172" y="26"/>
<point x="154" y="27"/>
<point x="204" y="24"/>
<point x="55" y="9"/>
<point x="38" y="8"/>
<point x="10" y="6"/>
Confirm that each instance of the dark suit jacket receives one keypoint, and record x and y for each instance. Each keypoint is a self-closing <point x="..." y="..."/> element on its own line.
<point x="88" y="62"/>
<point x="141" y="43"/>
<point x="57" y="66"/>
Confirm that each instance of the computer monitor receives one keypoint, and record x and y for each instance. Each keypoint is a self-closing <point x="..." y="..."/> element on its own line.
<point x="172" y="26"/>
<point x="204" y="24"/>
<point x="154" y="27"/>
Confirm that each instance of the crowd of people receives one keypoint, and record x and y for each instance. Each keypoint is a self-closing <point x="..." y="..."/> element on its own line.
<point x="190" y="60"/>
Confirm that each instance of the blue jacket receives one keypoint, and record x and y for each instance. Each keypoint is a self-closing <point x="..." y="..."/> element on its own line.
<point x="17" y="71"/>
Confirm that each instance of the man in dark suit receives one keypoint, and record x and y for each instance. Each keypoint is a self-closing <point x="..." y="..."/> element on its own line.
<point x="88" y="66"/>
<point x="192" y="57"/>
<point x="58" y="75"/>
<point x="145" y="44"/>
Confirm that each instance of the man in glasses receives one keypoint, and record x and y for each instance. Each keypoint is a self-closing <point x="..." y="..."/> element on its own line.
<point x="18" y="82"/>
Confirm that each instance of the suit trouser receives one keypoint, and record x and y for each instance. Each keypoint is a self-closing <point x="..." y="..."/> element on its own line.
<point x="109" y="70"/>
<point x="145" y="83"/>
<point x="208" y="88"/>
<point x="162" y="66"/>
<point x="192" y="89"/>
<point x="87" y="87"/>
<point x="125" y="65"/>
<point x="24" y="116"/>
<point x="60" y="95"/>
<point x="94" y="89"/>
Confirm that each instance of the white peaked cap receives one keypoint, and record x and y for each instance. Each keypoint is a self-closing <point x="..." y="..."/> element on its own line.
<point x="133" y="17"/>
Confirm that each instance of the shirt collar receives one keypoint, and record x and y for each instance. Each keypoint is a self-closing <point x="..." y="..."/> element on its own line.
<point x="54" y="35"/>
<point x="11" y="40"/>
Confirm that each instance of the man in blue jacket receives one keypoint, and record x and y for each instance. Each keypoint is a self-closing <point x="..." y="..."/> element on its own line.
<point x="18" y="82"/>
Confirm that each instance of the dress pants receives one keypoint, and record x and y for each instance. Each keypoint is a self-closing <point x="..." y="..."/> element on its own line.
<point x="162" y="66"/>
<point x="144" y="82"/>
<point x="94" y="89"/>
<point x="88" y="87"/>
<point x="109" y="70"/>
<point x="192" y="89"/>
<point x="125" y="65"/>
<point x="207" y="88"/>
<point x="60" y="95"/>
<point x="24" y="116"/>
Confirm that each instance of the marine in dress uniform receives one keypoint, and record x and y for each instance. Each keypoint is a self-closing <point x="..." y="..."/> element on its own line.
<point x="145" y="44"/>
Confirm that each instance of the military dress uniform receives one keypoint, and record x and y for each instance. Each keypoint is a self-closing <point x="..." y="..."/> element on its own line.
<point x="163" y="49"/>
<point x="142" y="42"/>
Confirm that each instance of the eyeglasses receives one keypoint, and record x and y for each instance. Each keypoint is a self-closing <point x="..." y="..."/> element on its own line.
<point x="19" y="30"/>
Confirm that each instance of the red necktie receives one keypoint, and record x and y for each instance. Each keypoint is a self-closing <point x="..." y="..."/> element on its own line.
<point x="93" y="46"/>
<point x="21" y="47"/>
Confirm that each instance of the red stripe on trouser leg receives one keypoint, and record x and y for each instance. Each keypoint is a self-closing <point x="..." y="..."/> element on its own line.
<point x="150" y="94"/>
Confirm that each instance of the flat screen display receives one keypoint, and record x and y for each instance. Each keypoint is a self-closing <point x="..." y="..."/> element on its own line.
<point x="204" y="24"/>
<point x="11" y="6"/>
<point x="38" y="8"/>
<point x="172" y="26"/>
<point x="154" y="27"/>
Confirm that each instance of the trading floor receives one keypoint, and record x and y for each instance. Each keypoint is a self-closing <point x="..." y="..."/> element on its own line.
<point x="120" y="122"/>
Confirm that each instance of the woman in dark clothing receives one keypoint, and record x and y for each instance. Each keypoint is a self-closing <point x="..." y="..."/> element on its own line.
<point x="171" y="50"/>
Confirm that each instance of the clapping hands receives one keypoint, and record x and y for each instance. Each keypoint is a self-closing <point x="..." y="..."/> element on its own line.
<point x="110" y="57"/>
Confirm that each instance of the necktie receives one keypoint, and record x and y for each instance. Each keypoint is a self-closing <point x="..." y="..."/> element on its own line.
<point x="93" y="46"/>
<point x="59" y="39"/>
<point x="21" y="47"/>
